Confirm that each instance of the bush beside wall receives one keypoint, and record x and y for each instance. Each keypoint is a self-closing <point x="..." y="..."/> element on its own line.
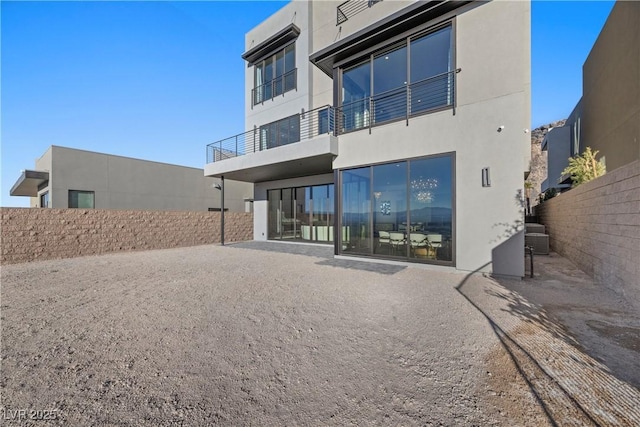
<point x="30" y="234"/>
<point x="597" y="226"/>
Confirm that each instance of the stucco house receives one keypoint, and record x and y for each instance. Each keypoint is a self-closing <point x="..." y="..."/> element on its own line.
<point x="393" y="130"/>
<point x="71" y="178"/>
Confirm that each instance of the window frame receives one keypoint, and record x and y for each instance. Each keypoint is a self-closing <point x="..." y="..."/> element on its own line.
<point x="285" y="126"/>
<point x="93" y="199"/>
<point x="339" y="208"/>
<point x="403" y="39"/>
<point x="279" y="84"/>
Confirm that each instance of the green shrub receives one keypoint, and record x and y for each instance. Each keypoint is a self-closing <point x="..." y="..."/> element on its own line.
<point x="585" y="167"/>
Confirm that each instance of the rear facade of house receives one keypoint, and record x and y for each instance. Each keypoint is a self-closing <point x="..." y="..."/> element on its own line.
<point x="395" y="130"/>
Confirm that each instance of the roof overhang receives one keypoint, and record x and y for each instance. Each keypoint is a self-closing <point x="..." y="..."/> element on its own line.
<point x="29" y="183"/>
<point x="272" y="44"/>
<point x="404" y="20"/>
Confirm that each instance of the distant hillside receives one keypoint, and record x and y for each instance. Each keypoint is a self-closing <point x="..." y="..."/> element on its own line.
<point x="539" y="158"/>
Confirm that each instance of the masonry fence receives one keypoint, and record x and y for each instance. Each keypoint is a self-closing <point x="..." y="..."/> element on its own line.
<point x="30" y="234"/>
<point x="597" y="226"/>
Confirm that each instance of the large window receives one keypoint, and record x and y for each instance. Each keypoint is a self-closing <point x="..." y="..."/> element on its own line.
<point x="81" y="199"/>
<point x="302" y="213"/>
<point x="275" y="75"/>
<point x="400" y="210"/>
<point x="407" y="78"/>
<point x="282" y="132"/>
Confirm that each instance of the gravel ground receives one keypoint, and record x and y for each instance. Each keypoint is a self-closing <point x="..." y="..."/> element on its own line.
<point x="233" y="335"/>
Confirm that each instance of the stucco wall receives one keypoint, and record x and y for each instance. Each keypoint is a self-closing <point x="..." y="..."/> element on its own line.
<point x="611" y="88"/>
<point x="597" y="226"/>
<point x="127" y="183"/>
<point x="40" y="234"/>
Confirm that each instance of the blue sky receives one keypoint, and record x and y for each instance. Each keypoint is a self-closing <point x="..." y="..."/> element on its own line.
<point x="160" y="80"/>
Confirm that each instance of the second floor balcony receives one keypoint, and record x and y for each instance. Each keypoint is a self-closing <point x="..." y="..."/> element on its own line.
<point x="313" y="134"/>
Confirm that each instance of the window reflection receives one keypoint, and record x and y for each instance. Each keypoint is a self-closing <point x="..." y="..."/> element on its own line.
<point x="400" y="210"/>
<point x="356" y="211"/>
<point x="390" y="85"/>
<point x="425" y="84"/>
<point x="302" y="213"/>
<point x="356" y="89"/>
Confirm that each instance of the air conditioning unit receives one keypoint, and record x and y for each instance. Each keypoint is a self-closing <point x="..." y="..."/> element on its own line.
<point x="534" y="228"/>
<point x="539" y="242"/>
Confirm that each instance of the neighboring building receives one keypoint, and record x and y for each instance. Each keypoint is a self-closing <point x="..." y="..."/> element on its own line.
<point x="70" y="178"/>
<point x="611" y="88"/>
<point x="561" y="143"/>
<point x="393" y="130"/>
<point x="607" y="118"/>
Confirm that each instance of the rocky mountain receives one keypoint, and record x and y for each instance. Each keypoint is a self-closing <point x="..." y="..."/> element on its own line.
<point x="539" y="158"/>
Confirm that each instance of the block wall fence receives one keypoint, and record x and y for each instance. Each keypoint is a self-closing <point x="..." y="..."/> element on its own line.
<point x="30" y="234"/>
<point x="597" y="226"/>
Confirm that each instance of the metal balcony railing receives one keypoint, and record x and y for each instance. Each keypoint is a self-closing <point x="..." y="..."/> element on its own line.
<point x="300" y="127"/>
<point x="426" y="95"/>
<point x="352" y="7"/>
<point x="275" y="87"/>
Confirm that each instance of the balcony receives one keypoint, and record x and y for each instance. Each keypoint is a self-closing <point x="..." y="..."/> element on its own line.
<point x="306" y="143"/>
<point x="425" y="96"/>
<point x="302" y="144"/>
<point x="275" y="87"/>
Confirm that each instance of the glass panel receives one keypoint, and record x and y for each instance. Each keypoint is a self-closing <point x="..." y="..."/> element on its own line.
<point x="431" y="201"/>
<point x="81" y="199"/>
<point x="259" y="83"/>
<point x="389" y="85"/>
<point x="303" y="203"/>
<point x="279" y="74"/>
<point x="273" y="202"/>
<point x="356" y="88"/>
<point x="294" y="129"/>
<point x="289" y="58"/>
<point x="289" y="68"/>
<point x="431" y="56"/>
<point x="268" y="77"/>
<point x="321" y="211"/>
<point x="44" y="200"/>
<point x="390" y="209"/>
<point x="356" y="211"/>
<point x="323" y="121"/>
<point x="330" y="210"/>
<point x="290" y="223"/>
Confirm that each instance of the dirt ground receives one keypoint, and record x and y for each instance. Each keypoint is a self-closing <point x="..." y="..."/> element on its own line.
<point x="234" y="335"/>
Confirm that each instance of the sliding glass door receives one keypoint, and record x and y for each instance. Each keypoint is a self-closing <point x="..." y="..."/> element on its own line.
<point x="399" y="210"/>
<point x="301" y="214"/>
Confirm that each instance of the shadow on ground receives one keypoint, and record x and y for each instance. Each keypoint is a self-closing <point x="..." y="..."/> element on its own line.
<point x="544" y="325"/>
<point x="320" y="251"/>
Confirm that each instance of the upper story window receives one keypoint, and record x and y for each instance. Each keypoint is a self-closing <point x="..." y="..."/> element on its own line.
<point x="409" y="77"/>
<point x="275" y="74"/>
<point x="282" y="132"/>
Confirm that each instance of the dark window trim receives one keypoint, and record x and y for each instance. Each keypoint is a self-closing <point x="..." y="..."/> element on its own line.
<point x="81" y="191"/>
<point x="338" y="205"/>
<point x="402" y="40"/>
<point x="283" y="77"/>
<point x="286" y="120"/>
<point x="420" y="14"/>
<point x="274" y="43"/>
